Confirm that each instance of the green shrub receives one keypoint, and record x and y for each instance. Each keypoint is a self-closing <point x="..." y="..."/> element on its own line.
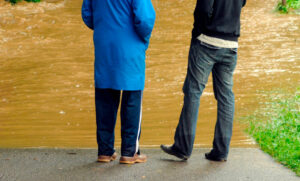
<point x="290" y="6"/>
<point x="35" y="1"/>
<point x="13" y="1"/>
<point x="276" y="129"/>
<point x="16" y="1"/>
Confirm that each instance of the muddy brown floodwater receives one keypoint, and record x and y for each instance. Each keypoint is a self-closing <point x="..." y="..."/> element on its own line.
<point x="46" y="72"/>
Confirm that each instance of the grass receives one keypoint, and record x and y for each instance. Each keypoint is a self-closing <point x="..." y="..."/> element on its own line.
<point x="276" y="128"/>
<point x="16" y="1"/>
<point x="290" y="6"/>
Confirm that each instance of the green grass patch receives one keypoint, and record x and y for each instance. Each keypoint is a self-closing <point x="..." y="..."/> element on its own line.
<point x="276" y="128"/>
<point x="16" y="1"/>
<point x="291" y="5"/>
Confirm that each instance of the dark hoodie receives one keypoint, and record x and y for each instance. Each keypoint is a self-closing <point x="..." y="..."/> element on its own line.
<point x="218" y="18"/>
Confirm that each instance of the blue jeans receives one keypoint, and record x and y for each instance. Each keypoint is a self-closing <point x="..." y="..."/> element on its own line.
<point x="107" y="104"/>
<point x="203" y="59"/>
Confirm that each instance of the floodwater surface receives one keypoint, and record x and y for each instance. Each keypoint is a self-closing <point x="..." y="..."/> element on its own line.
<point x="46" y="73"/>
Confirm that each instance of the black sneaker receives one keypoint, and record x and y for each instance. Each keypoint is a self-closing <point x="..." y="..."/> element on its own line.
<point x="210" y="156"/>
<point x="169" y="150"/>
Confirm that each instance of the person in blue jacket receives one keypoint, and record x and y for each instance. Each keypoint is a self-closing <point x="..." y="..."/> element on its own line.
<point x="122" y="29"/>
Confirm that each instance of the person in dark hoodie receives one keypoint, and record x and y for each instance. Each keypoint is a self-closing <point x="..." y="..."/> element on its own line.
<point x="122" y="29"/>
<point x="213" y="49"/>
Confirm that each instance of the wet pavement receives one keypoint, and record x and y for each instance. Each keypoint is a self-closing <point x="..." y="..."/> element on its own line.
<point x="79" y="164"/>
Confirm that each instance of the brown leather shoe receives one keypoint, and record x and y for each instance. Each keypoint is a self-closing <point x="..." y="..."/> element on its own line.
<point x="106" y="159"/>
<point x="135" y="159"/>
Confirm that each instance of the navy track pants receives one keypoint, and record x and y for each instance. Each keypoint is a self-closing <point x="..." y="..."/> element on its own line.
<point x="107" y="104"/>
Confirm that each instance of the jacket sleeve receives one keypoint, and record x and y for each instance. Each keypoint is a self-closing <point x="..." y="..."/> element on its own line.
<point x="202" y="15"/>
<point x="87" y="13"/>
<point x="244" y="2"/>
<point x="144" y="18"/>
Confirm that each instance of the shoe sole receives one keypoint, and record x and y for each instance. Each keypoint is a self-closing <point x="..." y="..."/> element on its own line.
<point x="133" y="162"/>
<point x="105" y="160"/>
<point x="216" y="160"/>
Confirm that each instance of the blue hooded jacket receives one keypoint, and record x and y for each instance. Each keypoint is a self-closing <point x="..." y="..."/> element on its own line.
<point x="122" y="29"/>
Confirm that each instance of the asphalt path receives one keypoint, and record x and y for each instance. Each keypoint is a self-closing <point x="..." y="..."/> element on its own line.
<point x="80" y="165"/>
